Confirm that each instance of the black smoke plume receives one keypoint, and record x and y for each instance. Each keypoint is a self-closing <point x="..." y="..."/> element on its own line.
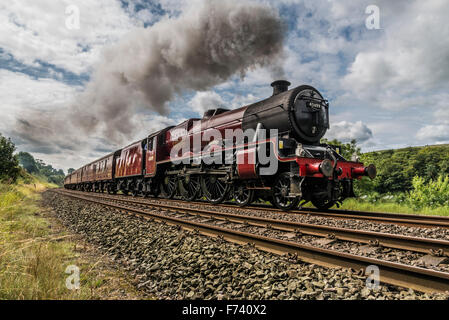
<point x="206" y="45"/>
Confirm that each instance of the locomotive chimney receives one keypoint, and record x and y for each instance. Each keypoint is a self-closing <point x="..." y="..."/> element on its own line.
<point x="280" y="86"/>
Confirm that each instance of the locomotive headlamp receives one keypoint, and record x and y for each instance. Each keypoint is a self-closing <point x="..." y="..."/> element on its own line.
<point x="326" y="168"/>
<point x="355" y="158"/>
<point x="299" y="152"/>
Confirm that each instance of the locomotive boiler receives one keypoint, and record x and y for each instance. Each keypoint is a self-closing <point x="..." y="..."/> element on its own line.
<point x="177" y="161"/>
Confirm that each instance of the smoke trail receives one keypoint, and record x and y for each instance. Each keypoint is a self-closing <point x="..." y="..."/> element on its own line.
<point x="206" y="45"/>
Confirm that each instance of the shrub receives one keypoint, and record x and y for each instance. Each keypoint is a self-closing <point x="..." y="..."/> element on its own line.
<point x="434" y="193"/>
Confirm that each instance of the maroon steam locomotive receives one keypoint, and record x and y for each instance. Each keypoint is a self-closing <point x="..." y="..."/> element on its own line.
<point x="305" y="169"/>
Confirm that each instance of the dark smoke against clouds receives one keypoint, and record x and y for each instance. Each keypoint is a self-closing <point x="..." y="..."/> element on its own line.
<point x="206" y="45"/>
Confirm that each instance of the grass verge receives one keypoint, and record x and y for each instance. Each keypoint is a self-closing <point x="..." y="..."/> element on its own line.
<point x="359" y="205"/>
<point x="34" y="253"/>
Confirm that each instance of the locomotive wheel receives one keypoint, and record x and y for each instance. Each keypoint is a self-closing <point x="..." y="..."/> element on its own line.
<point x="169" y="187"/>
<point x="242" y="195"/>
<point x="190" y="187"/>
<point x="155" y="190"/>
<point x="214" y="188"/>
<point x="280" y="190"/>
<point x="146" y="193"/>
<point x="322" y="203"/>
<point x="137" y="190"/>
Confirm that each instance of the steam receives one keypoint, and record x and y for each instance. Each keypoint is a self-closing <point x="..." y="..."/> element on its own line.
<point x="206" y="45"/>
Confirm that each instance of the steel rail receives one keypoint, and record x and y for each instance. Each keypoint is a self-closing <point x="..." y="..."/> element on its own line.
<point x="384" y="217"/>
<point x="417" y="278"/>
<point x="411" y="219"/>
<point x="414" y="220"/>
<point x="416" y="244"/>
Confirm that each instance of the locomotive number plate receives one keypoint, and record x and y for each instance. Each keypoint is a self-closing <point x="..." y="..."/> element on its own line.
<point x="314" y="105"/>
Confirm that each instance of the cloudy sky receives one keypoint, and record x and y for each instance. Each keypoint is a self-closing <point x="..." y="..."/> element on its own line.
<point x="387" y="86"/>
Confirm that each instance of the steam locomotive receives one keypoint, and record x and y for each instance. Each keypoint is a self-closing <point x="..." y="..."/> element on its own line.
<point x="176" y="161"/>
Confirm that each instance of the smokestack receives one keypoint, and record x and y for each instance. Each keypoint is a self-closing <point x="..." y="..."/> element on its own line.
<point x="280" y="86"/>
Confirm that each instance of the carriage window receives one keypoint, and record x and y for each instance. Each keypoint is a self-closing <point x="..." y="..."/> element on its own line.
<point x="150" y="144"/>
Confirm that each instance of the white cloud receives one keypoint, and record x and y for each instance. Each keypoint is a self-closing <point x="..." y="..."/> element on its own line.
<point x="239" y="101"/>
<point x="205" y="100"/>
<point x="155" y="122"/>
<point x="410" y="62"/>
<point x="36" y="30"/>
<point x="174" y="6"/>
<point x="442" y="115"/>
<point x="346" y="131"/>
<point x="434" y="133"/>
<point x="52" y="136"/>
<point x="21" y="94"/>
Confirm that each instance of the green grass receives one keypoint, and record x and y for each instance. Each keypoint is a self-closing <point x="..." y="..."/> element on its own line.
<point x="384" y="206"/>
<point x="33" y="257"/>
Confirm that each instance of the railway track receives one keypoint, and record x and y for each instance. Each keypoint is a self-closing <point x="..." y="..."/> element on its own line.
<point x="389" y="240"/>
<point x="417" y="278"/>
<point x="413" y="220"/>
<point x="400" y="218"/>
<point x="381" y="217"/>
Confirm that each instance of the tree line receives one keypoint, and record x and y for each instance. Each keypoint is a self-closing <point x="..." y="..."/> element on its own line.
<point x="11" y="164"/>
<point x="397" y="168"/>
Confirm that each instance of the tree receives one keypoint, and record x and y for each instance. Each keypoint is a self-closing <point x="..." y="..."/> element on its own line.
<point x="9" y="165"/>
<point x="347" y="149"/>
<point x="396" y="169"/>
<point x="27" y="161"/>
<point x="444" y="167"/>
<point x="70" y="171"/>
<point x="391" y="178"/>
<point x="53" y="175"/>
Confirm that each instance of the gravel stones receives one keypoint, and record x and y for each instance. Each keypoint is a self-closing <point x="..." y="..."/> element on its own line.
<point x="177" y="264"/>
<point x="434" y="233"/>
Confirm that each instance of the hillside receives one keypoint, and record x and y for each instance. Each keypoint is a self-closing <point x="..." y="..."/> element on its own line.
<point x="396" y="168"/>
<point x="13" y="166"/>
<point x="40" y="169"/>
